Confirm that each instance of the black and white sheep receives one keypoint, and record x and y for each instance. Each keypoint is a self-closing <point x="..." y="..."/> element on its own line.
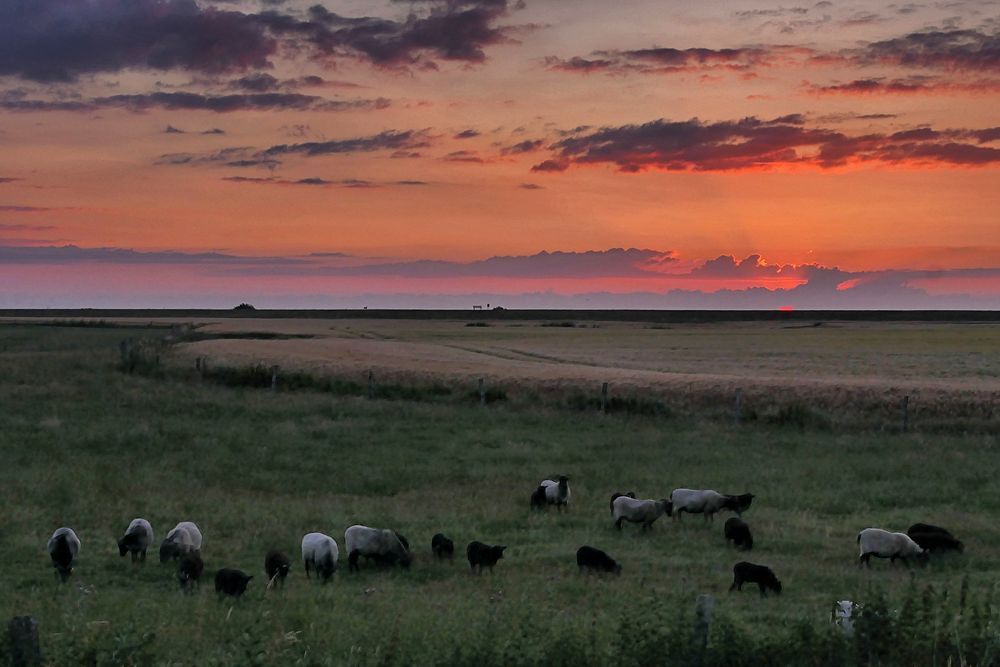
<point x="63" y="547"/>
<point x="231" y="582"/>
<point x="189" y="571"/>
<point x="320" y="554"/>
<point x="538" y="501"/>
<point x="595" y="560"/>
<point x="614" y="496"/>
<point x="442" y="546"/>
<point x="182" y="538"/>
<point x="934" y="538"/>
<point x="276" y="567"/>
<point x="738" y="532"/>
<point x="707" y="502"/>
<point x="749" y="573"/>
<point x="644" y="512"/>
<point x="557" y="492"/>
<point x="884" y="544"/>
<point x="138" y="537"/>
<point x="483" y="555"/>
<point x="384" y="546"/>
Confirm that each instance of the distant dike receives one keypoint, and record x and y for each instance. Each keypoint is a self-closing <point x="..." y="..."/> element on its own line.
<point x="814" y="317"/>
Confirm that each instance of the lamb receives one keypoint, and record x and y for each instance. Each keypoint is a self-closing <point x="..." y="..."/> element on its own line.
<point x="744" y="572"/>
<point x="442" y="547"/>
<point x="63" y="547"/>
<point x="883" y="544"/>
<point x="614" y="496"/>
<point x="538" y="498"/>
<point x="842" y="615"/>
<point x="639" y="511"/>
<point x="706" y="502"/>
<point x="231" y="582"/>
<point x="934" y="538"/>
<point x="320" y="553"/>
<point x="483" y="555"/>
<point x="596" y="560"/>
<point x="138" y="537"/>
<point x="189" y="571"/>
<point x="384" y="546"/>
<point x="182" y="538"/>
<point x="276" y="566"/>
<point x="738" y="532"/>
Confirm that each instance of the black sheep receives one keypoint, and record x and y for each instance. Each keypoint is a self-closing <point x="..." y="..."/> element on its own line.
<point x="189" y="571"/>
<point x="596" y="560"/>
<point x="442" y="546"/>
<point x="934" y="538"/>
<point x="739" y="503"/>
<point x="744" y="572"/>
<point x="277" y="565"/>
<point x="538" y="500"/>
<point x="738" y="532"/>
<point x="630" y="494"/>
<point x="231" y="582"/>
<point x="483" y="555"/>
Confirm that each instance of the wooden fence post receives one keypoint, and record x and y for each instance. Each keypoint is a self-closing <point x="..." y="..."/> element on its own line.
<point x="482" y="391"/>
<point x="24" y="648"/>
<point x="738" y="407"/>
<point x="906" y="413"/>
<point x="371" y="384"/>
<point x="604" y="398"/>
<point x="702" y="626"/>
<point x="274" y="377"/>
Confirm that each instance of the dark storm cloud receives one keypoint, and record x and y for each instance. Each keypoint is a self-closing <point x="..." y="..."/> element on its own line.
<point x="177" y="101"/>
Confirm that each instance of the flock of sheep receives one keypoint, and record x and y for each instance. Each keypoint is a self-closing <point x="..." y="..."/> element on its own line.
<point x="386" y="547"/>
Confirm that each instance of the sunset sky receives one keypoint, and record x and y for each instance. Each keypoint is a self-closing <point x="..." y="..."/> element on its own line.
<point x="535" y="153"/>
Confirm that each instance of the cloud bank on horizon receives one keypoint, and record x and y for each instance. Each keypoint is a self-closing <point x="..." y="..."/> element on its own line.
<point x="418" y="137"/>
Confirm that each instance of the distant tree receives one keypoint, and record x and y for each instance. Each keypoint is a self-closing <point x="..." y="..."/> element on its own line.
<point x="244" y="306"/>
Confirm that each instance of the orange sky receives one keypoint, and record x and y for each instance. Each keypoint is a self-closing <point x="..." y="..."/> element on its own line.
<point x="468" y="129"/>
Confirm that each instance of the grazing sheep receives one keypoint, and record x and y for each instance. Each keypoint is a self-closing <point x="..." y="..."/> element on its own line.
<point x="738" y="532"/>
<point x="705" y="502"/>
<point x="538" y="498"/>
<point x="384" y="546"/>
<point x="744" y="572"/>
<point x="842" y="616"/>
<point x="138" y="537"/>
<point x="483" y="555"/>
<point x="276" y="567"/>
<point x="320" y="553"/>
<point x="63" y="547"/>
<point x="182" y="538"/>
<point x="883" y="544"/>
<point x="614" y="496"/>
<point x="596" y="560"/>
<point x="189" y="571"/>
<point x="442" y="546"/>
<point x="934" y="538"/>
<point x="231" y="582"/>
<point x="639" y="511"/>
<point x="556" y="493"/>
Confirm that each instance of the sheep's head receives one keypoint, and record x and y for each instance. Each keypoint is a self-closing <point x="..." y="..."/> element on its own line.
<point x="668" y="507"/>
<point x="122" y="547"/>
<point x="776" y="586"/>
<point x="169" y="550"/>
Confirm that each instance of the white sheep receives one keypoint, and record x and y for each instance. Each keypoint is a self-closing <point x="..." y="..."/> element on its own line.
<point x="883" y="544"/>
<point x="556" y="492"/>
<point x="138" y="537"/>
<point x="694" y="501"/>
<point x="320" y="553"/>
<point x="63" y="547"/>
<point x="182" y="538"/>
<point x="639" y="511"/>
<point x="382" y="545"/>
<point x="842" y="616"/>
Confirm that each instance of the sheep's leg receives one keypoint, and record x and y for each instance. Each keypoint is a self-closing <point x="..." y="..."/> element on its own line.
<point x="618" y="523"/>
<point x="142" y="556"/>
<point x="763" y="591"/>
<point x="735" y="585"/>
<point x="352" y="561"/>
<point x="865" y="559"/>
<point x="305" y="565"/>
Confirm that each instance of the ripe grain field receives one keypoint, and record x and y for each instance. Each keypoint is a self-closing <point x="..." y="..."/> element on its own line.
<point x="87" y="446"/>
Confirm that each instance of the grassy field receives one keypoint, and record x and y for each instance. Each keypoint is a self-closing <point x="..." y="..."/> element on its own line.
<point x="87" y="446"/>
